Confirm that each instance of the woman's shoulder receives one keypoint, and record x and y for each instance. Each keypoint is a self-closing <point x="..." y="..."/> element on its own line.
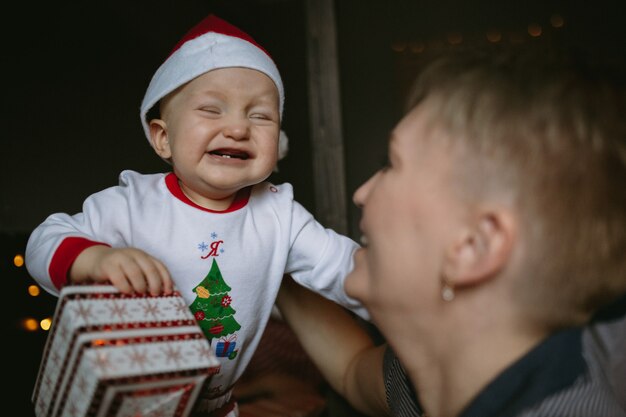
<point x="604" y="348"/>
<point x="399" y="390"/>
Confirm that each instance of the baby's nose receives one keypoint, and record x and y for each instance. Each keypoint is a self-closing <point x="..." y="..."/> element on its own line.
<point x="237" y="129"/>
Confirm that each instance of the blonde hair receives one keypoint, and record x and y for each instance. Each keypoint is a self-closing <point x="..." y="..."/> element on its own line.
<point x="543" y="128"/>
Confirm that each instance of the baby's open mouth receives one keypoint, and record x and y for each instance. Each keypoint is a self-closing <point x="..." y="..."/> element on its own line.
<point x="230" y="153"/>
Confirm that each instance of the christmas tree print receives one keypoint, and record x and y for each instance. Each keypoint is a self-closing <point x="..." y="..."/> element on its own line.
<point x="212" y="305"/>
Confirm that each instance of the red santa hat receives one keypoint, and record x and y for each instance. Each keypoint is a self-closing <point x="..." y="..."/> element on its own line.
<point x="211" y="44"/>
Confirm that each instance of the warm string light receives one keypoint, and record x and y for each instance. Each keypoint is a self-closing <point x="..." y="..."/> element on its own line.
<point x="45" y="323"/>
<point x="557" y="21"/>
<point x="31" y="324"/>
<point x="493" y="35"/>
<point x="455" y="38"/>
<point x="417" y="47"/>
<point x="398" y="46"/>
<point x="18" y="260"/>
<point x="534" y="30"/>
<point x="33" y="290"/>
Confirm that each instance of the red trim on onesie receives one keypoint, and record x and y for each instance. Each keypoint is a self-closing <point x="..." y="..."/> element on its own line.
<point x="64" y="257"/>
<point x="241" y="199"/>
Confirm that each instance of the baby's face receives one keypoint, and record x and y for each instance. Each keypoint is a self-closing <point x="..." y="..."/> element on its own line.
<point x="222" y="130"/>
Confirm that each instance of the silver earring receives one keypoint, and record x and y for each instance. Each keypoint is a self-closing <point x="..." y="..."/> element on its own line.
<point x="447" y="292"/>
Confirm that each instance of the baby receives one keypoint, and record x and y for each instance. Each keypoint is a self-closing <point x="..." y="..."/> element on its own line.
<point x="212" y="228"/>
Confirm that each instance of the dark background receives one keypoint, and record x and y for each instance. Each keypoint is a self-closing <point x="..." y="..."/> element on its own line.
<point x="75" y="75"/>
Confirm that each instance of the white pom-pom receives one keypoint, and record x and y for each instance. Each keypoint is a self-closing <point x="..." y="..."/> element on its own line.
<point x="283" y="145"/>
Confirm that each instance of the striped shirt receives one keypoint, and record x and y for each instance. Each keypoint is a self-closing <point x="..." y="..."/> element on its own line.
<point x="574" y="373"/>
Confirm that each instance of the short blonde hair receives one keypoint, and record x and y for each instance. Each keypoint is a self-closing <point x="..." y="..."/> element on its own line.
<point x="552" y="133"/>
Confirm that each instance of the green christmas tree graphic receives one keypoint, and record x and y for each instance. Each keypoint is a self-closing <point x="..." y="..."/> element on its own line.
<point x="212" y="305"/>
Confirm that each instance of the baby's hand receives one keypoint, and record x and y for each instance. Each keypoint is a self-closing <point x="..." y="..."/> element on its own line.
<point x="130" y="270"/>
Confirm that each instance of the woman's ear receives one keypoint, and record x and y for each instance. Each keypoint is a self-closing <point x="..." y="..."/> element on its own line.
<point x="159" y="139"/>
<point x="482" y="250"/>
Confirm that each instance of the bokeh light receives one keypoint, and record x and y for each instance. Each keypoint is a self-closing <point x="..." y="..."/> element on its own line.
<point x="494" y="36"/>
<point x="30" y="324"/>
<point x="398" y="46"/>
<point x="455" y="38"/>
<point x="557" y="21"/>
<point x="417" y="47"/>
<point x="18" y="260"/>
<point x="534" y="30"/>
<point x="34" y="290"/>
<point x="45" y="323"/>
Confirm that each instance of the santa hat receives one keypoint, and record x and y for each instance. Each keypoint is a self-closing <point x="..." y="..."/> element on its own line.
<point x="211" y="44"/>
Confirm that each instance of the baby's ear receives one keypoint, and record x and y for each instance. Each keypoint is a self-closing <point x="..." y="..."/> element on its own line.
<point x="482" y="250"/>
<point x="159" y="139"/>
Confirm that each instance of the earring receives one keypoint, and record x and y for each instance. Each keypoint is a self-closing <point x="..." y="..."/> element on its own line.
<point x="447" y="291"/>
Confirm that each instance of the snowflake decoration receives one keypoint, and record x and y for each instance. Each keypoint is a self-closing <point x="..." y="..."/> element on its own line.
<point x="151" y="309"/>
<point x="203" y="246"/>
<point x="213" y="235"/>
<point x="83" y="311"/>
<point x="226" y="301"/>
<point x="118" y="310"/>
<point x="172" y="354"/>
<point x="180" y="307"/>
<point x="203" y="351"/>
<point x="139" y="357"/>
<point x="101" y="361"/>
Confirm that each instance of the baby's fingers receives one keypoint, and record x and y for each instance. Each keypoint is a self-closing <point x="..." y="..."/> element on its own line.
<point x="119" y="280"/>
<point x="166" y="279"/>
<point x="156" y="276"/>
<point x="131" y="270"/>
<point x="135" y="276"/>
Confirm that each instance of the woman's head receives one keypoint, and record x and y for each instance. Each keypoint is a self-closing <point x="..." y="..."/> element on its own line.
<point x="542" y="137"/>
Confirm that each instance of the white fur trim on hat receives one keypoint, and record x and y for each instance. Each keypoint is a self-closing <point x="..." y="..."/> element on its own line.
<point x="211" y="44"/>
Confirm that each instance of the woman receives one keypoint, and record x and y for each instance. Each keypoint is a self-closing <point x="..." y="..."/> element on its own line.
<point x="492" y="237"/>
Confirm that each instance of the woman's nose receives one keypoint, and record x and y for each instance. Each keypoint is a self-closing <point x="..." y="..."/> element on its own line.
<point x="360" y="195"/>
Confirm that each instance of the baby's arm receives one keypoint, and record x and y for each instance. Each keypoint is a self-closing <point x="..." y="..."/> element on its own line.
<point x="128" y="269"/>
<point x="59" y="253"/>
<point x="340" y="348"/>
<point x="96" y="245"/>
<point x="320" y="259"/>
